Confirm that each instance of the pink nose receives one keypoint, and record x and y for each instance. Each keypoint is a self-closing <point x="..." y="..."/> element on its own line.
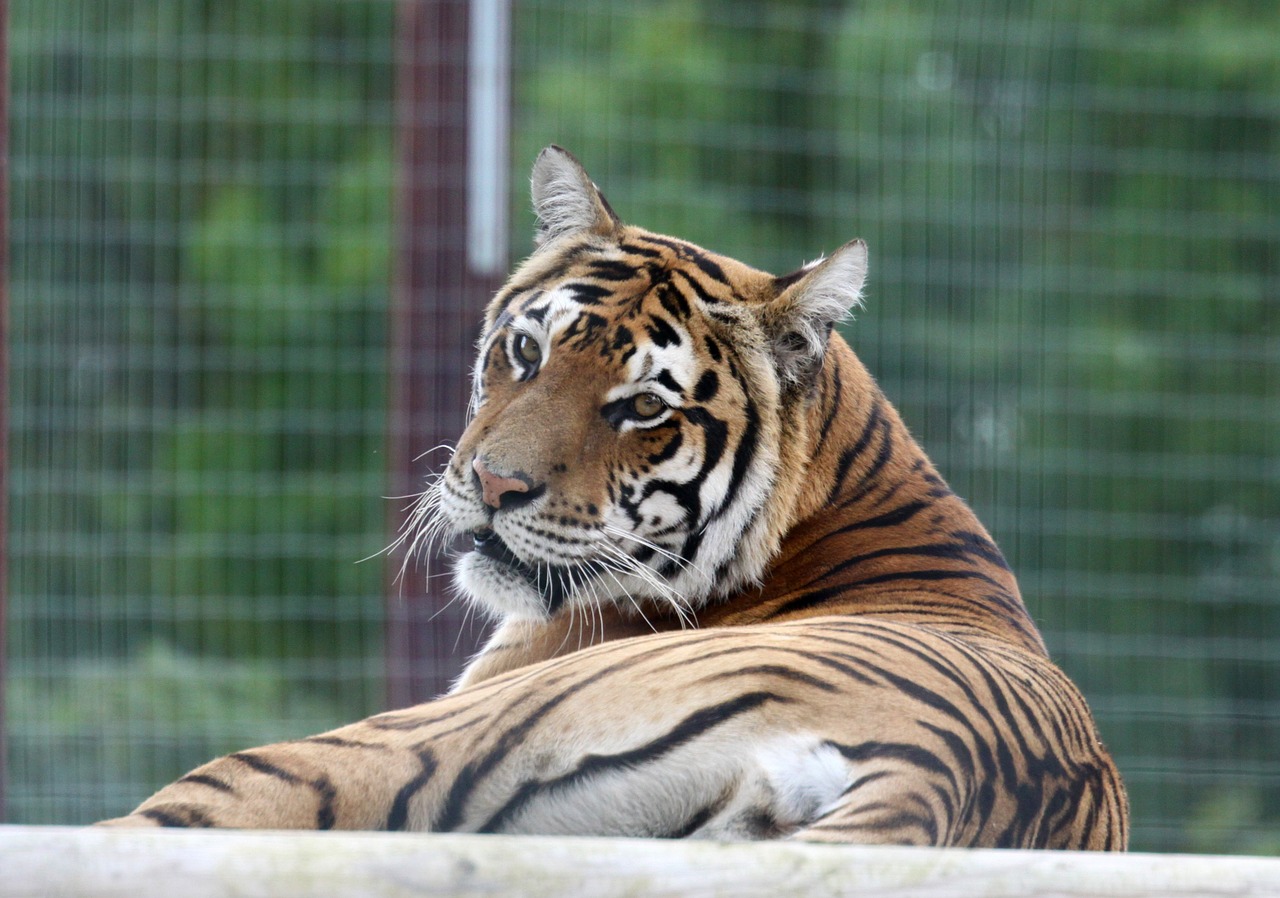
<point x="495" y="486"/>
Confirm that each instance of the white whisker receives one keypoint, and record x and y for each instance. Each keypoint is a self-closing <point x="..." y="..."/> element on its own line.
<point x="679" y="560"/>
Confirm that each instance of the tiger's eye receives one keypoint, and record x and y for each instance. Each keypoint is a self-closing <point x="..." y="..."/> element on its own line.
<point x="528" y="349"/>
<point x="647" y="405"/>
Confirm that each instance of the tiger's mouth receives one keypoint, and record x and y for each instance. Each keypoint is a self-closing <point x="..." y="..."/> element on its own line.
<point x="548" y="581"/>
<point x="490" y="545"/>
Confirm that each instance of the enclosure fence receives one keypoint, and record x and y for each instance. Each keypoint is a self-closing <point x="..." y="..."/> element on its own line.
<point x="235" y="338"/>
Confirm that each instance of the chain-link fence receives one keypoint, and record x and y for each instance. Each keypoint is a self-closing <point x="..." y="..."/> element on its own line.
<point x="1075" y="301"/>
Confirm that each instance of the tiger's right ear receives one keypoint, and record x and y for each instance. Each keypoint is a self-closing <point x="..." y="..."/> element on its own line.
<point x="565" y="199"/>
<point x="809" y="304"/>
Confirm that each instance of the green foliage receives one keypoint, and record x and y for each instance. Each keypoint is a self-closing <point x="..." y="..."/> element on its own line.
<point x="1071" y="211"/>
<point x="144" y="721"/>
<point x="201" y="268"/>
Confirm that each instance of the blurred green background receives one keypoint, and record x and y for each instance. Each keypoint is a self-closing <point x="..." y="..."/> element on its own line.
<point x="1074" y="216"/>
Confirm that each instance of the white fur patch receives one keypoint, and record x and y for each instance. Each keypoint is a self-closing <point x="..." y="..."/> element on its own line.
<point x="497" y="591"/>
<point x="806" y="776"/>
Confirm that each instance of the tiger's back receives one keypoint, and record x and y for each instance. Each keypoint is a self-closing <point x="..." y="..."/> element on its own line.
<point x="735" y="599"/>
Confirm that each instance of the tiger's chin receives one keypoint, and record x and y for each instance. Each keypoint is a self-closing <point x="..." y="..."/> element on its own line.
<point x="507" y="589"/>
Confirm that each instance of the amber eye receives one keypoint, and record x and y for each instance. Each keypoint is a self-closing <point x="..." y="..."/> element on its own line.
<point x="647" y="405"/>
<point x="528" y="349"/>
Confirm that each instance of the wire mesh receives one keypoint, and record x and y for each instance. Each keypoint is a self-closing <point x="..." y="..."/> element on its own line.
<point x="201" y="233"/>
<point x="1071" y="209"/>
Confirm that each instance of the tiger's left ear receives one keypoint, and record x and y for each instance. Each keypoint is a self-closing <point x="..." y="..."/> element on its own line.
<point x="808" y="305"/>
<point x="565" y="199"/>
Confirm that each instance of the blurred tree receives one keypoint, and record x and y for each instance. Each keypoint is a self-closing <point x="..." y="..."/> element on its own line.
<point x="1072" y="215"/>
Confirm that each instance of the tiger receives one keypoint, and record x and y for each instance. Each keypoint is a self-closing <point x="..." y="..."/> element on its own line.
<point x="732" y="597"/>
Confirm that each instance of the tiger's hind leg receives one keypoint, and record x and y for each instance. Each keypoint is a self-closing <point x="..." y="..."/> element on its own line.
<point x="898" y="796"/>
<point x="883" y="808"/>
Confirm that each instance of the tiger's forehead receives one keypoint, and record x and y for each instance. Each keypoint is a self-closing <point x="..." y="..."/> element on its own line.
<point x="616" y="275"/>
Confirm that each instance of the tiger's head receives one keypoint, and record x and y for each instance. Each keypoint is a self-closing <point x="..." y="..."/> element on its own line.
<point x="638" y="432"/>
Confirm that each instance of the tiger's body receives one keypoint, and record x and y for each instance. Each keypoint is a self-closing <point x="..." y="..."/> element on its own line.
<point x="735" y="599"/>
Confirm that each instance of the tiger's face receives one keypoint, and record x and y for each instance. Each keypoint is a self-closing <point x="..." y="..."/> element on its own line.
<point x="621" y="442"/>
<point x="630" y="402"/>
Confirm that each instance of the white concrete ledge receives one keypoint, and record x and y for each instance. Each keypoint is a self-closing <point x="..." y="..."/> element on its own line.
<point x="51" y="862"/>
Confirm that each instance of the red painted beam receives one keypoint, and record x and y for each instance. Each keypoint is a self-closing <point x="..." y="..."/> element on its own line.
<point x="436" y="306"/>
<point x="4" y="384"/>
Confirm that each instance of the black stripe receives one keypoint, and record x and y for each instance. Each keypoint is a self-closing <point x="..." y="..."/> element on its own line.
<point x="746" y="451"/>
<point x="966" y="764"/>
<point x="815" y="597"/>
<point x="946" y="551"/>
<point x="265" y="767"/>
<point x="982" y="546"/>
<point x="622" y="338"/>
<point x="325" y="789"/>
<point x="1012" y="726"/>
<point x="707" y="387"/>
<point x="669" y="449"/>
<point x="914" y="755"/>
<point x="638" y="250"/>
<point x="337" y="742"/>
<point x="986" y="757"/>
<point x="883" y="499"/>
<point x="588" y="294"/>
<point x="938" y="488"/>
<point x="164" y="818"/>
<point x="212" y="782"/>
<point x="662" y="333"/>
<point x="869" y="479"/>
<point x="408" y="719"/>
<point x="994" y="754"/>
<point x="857" y="784"/>
<point x="835" y="398"/>
<point x="665" y="378"/>
<point x="674" y="302"/>
<point x="690" y="728"/>
<point x="816" y="657"/>
<point x="709" y="268"/>
<point x="612" y="270"/>
<point x="899" y="515"/>
<point x="928" y="575"/>
<point x="398" y="816"/>
<point x="693" y="824"/>
<point x="900" y="820"/>
<point x="775" y="670"/>
<point x="687" y="493"/>
<point x="1056" y="811"/>
<point x="698" y="290"/>
<point x="691" y="253"/>
<point x="552" y="272"/>
<point x="852" y="453"/>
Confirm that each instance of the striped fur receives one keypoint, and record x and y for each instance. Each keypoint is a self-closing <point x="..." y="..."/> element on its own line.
<point x="735" y="599"/>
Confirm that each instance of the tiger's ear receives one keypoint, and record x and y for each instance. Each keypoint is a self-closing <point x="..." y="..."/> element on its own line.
<point x="809" y="303"/>
<point x="565" y="199"/>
